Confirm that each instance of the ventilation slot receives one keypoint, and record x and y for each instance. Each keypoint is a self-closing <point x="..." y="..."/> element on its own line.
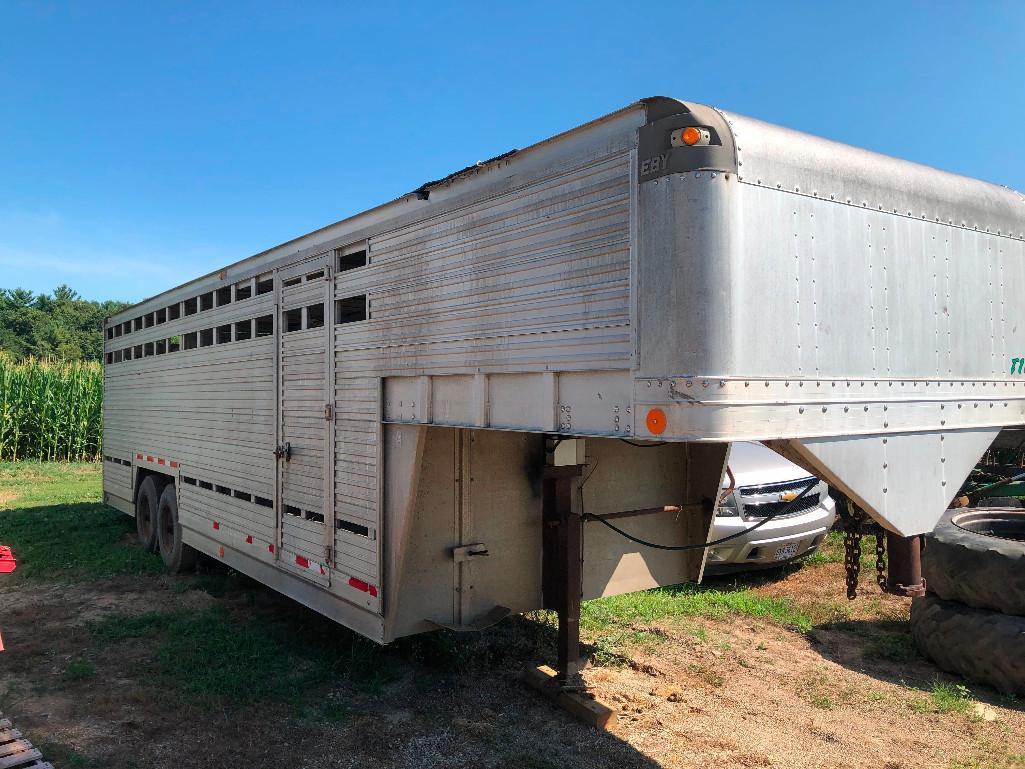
<point x="353" y="528"/>
<point x="293" y="320"/>
<point x="352" y="257"/>
<point x="315" y="316"/>
<point x="351" y="310"/>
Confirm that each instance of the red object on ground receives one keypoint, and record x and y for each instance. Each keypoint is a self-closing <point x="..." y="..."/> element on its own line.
<point x="7" y="562"/>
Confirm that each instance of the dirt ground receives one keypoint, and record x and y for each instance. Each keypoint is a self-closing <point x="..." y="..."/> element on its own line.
<point x="690" y="691"/>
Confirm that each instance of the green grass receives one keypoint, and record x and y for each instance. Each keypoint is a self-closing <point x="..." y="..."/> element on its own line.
<point x="63" y="756"/>
<point x="951" y="698"/>
<point x="79" y="670"/>
<point x="52" y="518"/>
<point x="944" y="697"/>
<point x="689" y="600"/>
<point x="830" y="551"/>
<point x="218" y="660"/>
<point x="894" y="647"/>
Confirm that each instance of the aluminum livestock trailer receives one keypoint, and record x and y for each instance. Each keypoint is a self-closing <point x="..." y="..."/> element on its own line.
<point x="424" y="415"/>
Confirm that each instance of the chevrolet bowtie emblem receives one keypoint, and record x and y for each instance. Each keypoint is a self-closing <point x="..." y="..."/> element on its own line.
<point x="787" y="496"/>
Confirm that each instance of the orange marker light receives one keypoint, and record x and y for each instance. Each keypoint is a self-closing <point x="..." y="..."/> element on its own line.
<point x="656" y="421"/>
<point x="691" y="136"/>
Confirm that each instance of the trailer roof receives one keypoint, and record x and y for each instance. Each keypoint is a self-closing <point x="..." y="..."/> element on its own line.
<point x="765" y="154"/>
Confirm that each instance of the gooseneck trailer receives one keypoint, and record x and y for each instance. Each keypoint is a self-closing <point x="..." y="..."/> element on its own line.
<point x="415" y="418"/>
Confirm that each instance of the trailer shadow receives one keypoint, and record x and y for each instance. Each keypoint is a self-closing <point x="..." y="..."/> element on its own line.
<point x="103" y="651"/>
<point x="885" y="650"/>
<point x="876" y="641"/>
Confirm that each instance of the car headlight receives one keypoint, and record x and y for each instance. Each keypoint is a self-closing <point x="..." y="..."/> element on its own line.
<point x="728" y="506"/>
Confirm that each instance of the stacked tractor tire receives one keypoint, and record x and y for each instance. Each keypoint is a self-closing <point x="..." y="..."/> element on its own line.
<point x="972" y="620"/>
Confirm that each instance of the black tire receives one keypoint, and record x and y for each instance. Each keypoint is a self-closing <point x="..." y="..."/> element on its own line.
<point x="179" y="558"/>
<point x="146" y="502"/>
<point x="981" y="645"/>
<point x="999" y="502"/>
<point x="977" y="556"/>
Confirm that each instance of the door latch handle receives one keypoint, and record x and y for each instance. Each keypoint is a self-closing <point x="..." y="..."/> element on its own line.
<point x="284" y="450"/>
<point x="466" y="552"/>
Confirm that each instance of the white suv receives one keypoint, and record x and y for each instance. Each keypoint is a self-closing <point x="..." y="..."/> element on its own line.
<point x="765" y="482"/>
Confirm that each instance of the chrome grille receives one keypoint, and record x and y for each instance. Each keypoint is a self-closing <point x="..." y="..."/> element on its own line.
<point x="775" y="488"/>
<point x="802" y="505"/>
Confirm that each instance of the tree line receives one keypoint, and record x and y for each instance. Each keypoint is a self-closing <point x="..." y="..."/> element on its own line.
<point x="58" y="325"/>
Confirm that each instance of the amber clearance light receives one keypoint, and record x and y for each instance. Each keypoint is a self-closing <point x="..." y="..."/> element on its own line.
<point x="691" y="136"/>
<point x="656" y="421"/>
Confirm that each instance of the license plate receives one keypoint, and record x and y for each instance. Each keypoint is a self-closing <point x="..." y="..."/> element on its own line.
<point x="785" y="552"/>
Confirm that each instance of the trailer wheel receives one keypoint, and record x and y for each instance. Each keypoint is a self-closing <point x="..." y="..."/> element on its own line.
<point x="977" y="556"/>
<point x="179" y="558"/>
<point x="978" y="644"/>
<point x="146" y="502"/>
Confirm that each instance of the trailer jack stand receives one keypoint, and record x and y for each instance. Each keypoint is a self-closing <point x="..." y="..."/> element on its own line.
<point x="561" y="589"/>
<point x="904" y="575"/>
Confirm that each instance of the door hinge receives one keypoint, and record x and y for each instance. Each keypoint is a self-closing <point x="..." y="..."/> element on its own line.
<point x="329" y="412"/>
<point x="327" y="555"/>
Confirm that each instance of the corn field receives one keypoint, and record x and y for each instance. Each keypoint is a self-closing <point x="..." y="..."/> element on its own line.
<point x="50" y="410"/>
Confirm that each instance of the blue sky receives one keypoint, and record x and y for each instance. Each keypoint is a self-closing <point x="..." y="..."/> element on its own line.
<point x="143" y="144"/>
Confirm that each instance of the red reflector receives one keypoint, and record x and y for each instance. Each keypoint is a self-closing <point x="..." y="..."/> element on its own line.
<point x="249" y="539"/>
<point x="359" y="584"/>
<point x="7" y="562"/>
<point x="304" y="562"/>
<point x="160" y="461"/>
<point x="138" y="456"/>
<point x="373" y="591"/>
<point x="149" y="458"/>
<point x="270" y="548"/>
<point x="216" y="525"/>
<point x="174" y="465"/>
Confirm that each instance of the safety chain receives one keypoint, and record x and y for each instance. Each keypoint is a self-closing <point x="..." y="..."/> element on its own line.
<point x="852" y="555"/>
<point x="880" y="558"/>
<point x="856" y="524"/>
